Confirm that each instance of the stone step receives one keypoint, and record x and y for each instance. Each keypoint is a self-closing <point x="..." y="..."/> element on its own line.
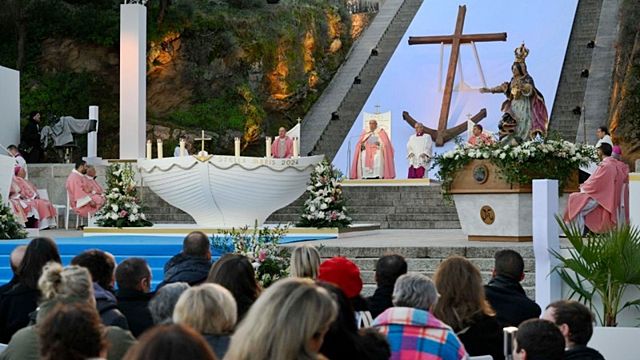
<point x="431" y="264"/>
<point x="368" y="290"/>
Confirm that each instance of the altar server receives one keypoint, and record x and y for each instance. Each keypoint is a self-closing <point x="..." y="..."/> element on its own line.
<point x="420" y="152"/>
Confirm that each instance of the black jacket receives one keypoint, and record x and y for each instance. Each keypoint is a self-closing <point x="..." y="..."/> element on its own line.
<point x="483" y="337"/>
<point x="381" y="300"/>
<point x="134" y="305"/>
<point x="219" y="344"/>
<point x="185" y="268"/>
<point x="582" y="353"/>
<point x="15" y="306"/>
<point x="31" y="135"/>
<point x="510" y="302"/>
<point x="107" y="306"/>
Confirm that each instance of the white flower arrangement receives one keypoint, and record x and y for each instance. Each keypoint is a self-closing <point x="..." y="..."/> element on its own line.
<point x="325" y="206"/>
<point x="122" y="208"/>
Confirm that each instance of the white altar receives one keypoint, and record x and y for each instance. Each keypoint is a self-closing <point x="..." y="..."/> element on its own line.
<point x="228" y="191"/>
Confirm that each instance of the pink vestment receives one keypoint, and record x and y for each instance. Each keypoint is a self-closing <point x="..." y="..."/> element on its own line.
<point x="275" y="149"/>
<point x="623" y="176"/>
<point x="385" y="148"/>
<point x="479" y="140"/>
<point x="603" y="186"/>
<point x="19" y="208"/>
<point x="47" y="214"/>
<point x="93" y="186"/>
<point x="80" y="196"/>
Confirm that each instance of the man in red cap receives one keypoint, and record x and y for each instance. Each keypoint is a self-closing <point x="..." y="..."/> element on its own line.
<point x="343" y="273"/>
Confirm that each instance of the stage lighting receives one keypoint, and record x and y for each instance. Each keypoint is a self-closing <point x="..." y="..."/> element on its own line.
<point x="335" y="116"/>
<point x="577" y="110"/>
<point x="374" y="52"/>
<point x="591" y="44"/>
<point x="585" y="73"/>
<point x="356" y="80"/>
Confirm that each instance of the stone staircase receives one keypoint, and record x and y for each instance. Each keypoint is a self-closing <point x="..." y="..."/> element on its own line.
<point x="425" y="260"/>
<point x="159" y="212"/>
<point x="572" y="87"/>
<point x="324" y="136"/>
<point x="394" y="207"/>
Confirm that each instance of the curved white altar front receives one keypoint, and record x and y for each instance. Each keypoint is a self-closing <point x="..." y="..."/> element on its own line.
<point x="228" y="191"/>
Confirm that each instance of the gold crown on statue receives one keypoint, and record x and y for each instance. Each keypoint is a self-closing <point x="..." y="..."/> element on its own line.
<point x="521" y="53"/>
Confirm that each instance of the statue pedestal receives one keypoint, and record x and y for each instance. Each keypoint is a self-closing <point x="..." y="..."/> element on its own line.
<point x="490" y="209"/>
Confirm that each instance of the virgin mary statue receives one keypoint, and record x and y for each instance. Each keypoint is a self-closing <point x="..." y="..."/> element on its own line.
<point x="524" y="112"/>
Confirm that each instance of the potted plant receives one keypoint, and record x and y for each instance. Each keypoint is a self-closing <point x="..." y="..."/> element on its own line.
<point x="600" y="268"/>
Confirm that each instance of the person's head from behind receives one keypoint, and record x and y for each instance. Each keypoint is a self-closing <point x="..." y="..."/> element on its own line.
<point x="91" y="171"/>
<point x="39" y="252"/>
<point x="345" y="322"/>
<point x="616" y="152"/>
<point x="69" y="284"/>
<point x="208" y="308"/>
<point x="604" y="150"/>
<point x="81" y="166"/>
<point x="72" y="332"/>
<point x="374" y="345"/>
<point x="236" y="274"/>
<point x="100" y="264"/>
<point x="574" y="320"/>
<point x="164" y="302"/>
<point x="538" y="339"/>
<point x="508" y="263"/>
<point x="461" y="290"/>
<point x="305" y="262"/>
<point x="477" y="129"/>
<point x="13" y="150"/>
<point x="389" y="268"/>
<point x="197" y="244"/>
<point x="134" y="274"/>
<point x="288" y="321"/>
<point x="344" y="273"/>
<point x="602" y="131"/>
<point x="34" y="116"/>
<point x="415" y="291"/>
<point x="15" y="259"/>
<point x="170" y="342"/>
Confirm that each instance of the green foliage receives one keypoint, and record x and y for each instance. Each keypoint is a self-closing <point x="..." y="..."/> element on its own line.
<point x="216" y="114"/>
<point x="9" y="227"/>
<point x="601" y="268"/>
<point x="246" y="4"/>
<point x="326" y="205"/>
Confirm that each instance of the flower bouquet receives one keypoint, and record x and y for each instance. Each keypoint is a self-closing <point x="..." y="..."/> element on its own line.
<point x="9" y="227"/>
<point x="325" y="206"/>
<point x="122" y="207"/>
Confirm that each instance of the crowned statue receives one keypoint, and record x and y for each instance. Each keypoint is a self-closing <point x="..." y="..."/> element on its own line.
<point x="524" y="112"/>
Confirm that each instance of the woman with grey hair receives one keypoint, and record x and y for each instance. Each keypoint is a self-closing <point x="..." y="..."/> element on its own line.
<point x="411" y="328"/>
<point x="163" y="303"/>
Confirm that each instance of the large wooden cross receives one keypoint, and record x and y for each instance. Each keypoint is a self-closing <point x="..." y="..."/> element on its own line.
<point x="442" y="134"/>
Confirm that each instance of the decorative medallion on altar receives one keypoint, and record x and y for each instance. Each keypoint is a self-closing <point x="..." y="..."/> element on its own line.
<point x="487" y="214"/>
<point x="480" y="173"/>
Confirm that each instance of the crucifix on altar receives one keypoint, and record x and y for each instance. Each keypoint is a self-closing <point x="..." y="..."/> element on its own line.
<point x="443" y="134"/>
<point x="202" y="139"/>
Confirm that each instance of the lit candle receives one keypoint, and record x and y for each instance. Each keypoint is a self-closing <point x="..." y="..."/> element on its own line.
<point x="268" y="141"/>
<point x="160" y="149"/>
<point x="182" y="149"/>
<point x="236" y="144"/>
<point x="296" y="149"/>
<point x="149" y="150"/>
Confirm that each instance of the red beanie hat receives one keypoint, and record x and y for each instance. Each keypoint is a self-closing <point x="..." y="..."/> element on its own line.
<point x="343" y="273"/>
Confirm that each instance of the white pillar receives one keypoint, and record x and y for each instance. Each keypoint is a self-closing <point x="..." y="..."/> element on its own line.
<point x="9" y="107"/>
<point x="133" y="80"/>
<point x="92" y="137"/>
<point x="634" y="199"/>
<point x="545" y="238"/>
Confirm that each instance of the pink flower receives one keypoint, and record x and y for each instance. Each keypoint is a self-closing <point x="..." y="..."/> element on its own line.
<point x="334" y="215"/>
<point x="262" y="255"/>
<point x="123" y="213"/>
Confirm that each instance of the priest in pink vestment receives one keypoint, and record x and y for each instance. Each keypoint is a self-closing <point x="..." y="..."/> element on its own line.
<point x="20" y="209"/>
<point x="46" y="214"/>
<point x="478" y="137"/>
<point x="373" y="158"/>
<point x="282" y="146"/>
<point x="92" y="184"/>
<point x="623" y="173"/>
<point x="597" y="204"/>
<point x="81" y="199"/>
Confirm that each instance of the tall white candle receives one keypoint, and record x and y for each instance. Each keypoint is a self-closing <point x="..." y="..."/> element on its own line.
<point x="160" y="149"/>
<point x="236" y="146"/>
<point x="149" y="150"/>
<point x="182" y="148"/>
<point x="296" y="150"/>
<point x="268" y="143"/>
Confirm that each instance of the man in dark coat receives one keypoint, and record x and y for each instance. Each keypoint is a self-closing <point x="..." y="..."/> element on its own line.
<point x="14" y="260"/>
<point x="388" y="270"/>
<point x="31" y="138"/>
<point x="133" y="277"/>
<point x="192" y="264"/>
<point x="504" y="292"/>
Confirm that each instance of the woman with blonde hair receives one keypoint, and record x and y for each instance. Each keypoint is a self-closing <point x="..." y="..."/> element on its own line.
<point x="287" y="322"/>
<point x="68" y="285"/>
<point x="463" y="306"/>
<point x="210" y="310"/>
<point x="305" y="262"/>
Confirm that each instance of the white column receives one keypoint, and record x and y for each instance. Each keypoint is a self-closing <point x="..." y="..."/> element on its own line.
<point x="133" y="80"/>
<point x="92" y="137"/>
<point x="634" y="199"/>
<point x="545" y="238"/>
<point x="9" y="107"/>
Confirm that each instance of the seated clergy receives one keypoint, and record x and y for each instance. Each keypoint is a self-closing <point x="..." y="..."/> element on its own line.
<point x="20" y="209"/>
<point x="282" y="146"/>
<point x="419" y="153"/>
<point x="623" y="174"/>
<point x="92" y="184"/>
<point x="597" y="203"/>
<point x="20" y="161"/>
<point x="45" y="212"/>
<point x="373" y="158"/>
<point x="479" y="137"/>
<point x="81" y="199"/>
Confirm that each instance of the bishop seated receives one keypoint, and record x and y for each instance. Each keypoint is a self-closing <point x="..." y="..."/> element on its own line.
<point x="282" y="147"/>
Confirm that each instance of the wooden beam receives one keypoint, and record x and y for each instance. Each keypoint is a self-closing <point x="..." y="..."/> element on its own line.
<point x="464" y="39"/>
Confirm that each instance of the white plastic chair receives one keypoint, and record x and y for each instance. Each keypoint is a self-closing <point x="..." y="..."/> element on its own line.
<point x="44" y="195"/>
<point x="481" y="357"/>
<point x="78" y="217"/>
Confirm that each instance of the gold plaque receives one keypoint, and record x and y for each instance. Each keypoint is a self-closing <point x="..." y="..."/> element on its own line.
<point x="487" y="215"/>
